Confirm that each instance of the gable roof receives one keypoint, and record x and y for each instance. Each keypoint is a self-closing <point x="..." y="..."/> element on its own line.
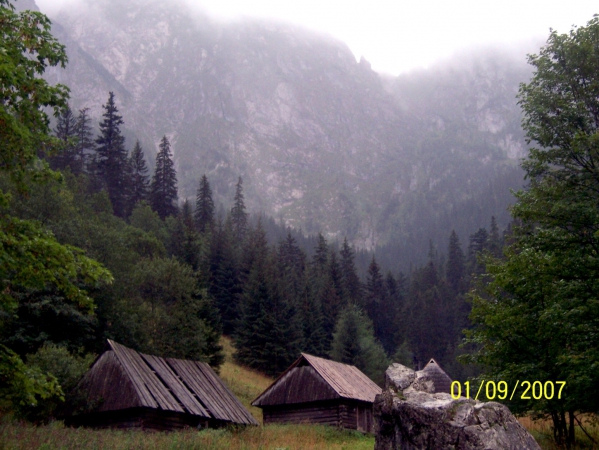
<point x="122" y="378"/>
<point x="311" y="378"/>
<point x="441" y="380"/>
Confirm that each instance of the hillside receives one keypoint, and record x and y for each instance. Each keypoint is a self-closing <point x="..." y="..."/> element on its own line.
<point x="321" y="140"/>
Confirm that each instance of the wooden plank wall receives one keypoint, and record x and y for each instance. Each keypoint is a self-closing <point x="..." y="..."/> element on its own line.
<point x="142" y="419"/>
<point x="320" y="413"/>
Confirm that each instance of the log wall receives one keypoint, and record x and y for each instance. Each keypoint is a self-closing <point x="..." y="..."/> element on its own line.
<point x="340" y="413"/>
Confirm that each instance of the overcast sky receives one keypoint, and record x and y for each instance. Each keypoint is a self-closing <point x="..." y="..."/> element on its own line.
<point x="396" y="36"/>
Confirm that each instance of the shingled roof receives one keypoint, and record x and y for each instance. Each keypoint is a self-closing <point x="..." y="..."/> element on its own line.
<point x="441" y="380"/>
<point x="311" y="378"/>
<point x="123" y="378"/>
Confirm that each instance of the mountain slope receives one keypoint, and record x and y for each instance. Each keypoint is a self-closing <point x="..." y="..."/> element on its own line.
<point x="320" y="139"/>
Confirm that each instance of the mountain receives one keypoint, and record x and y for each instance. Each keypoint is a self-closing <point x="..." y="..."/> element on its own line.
<point x="321" y="140"/>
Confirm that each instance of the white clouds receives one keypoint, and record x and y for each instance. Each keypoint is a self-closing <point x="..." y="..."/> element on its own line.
<point x="398" y="35"/>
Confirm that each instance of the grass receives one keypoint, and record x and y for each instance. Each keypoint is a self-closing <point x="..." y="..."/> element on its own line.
<point x="245" y="383"/>
<point x="541" y="431"/>
<point x="22" y="436"/>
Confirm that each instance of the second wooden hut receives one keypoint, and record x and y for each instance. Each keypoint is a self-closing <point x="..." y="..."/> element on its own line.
<point x="317" y="390"/>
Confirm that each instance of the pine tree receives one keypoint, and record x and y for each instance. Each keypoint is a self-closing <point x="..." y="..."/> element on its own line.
<point x="331" y="296"/>
<point x="204" y="212"/>
<point x="239" y="216"/>
<point x="479" y="242"/>
<point x="111" y="157"/>
<point x="140" y="181"/>
<point x="224" y="284"/>
<point x="455" y="263"/>
<point x="163" y="190"/>
<point x="66" y="131"/>
<point x="354" y="343"/>
<point x="494" y="239"/>
<point x="85" y="141"/>
<point x="185" y="240"/>
<point x="375" y="297"/>
<point x="351" y="283"/>
<point x="268" y="334"/>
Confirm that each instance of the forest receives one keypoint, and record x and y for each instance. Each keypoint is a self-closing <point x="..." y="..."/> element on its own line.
<point x="94" y="245"/>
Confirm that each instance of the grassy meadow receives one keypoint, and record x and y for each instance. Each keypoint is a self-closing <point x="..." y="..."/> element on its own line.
<point x="246" y="384"/>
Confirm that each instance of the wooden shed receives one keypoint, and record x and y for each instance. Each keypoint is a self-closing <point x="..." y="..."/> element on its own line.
<point x="317" y="390"/>
<point x="441" y="380"/>
<point x="127" y="389"/>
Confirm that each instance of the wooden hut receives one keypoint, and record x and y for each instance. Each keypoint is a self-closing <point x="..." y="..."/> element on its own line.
<point x="316" y="390"/>
<point x="127" y="389"/>
<point x="441" y="380"/>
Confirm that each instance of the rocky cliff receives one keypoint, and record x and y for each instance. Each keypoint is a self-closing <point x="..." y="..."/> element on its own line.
<point x="320" y="139"/>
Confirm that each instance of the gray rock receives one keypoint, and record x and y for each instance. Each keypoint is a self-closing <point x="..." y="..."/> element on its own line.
<point x="409" y="415"/>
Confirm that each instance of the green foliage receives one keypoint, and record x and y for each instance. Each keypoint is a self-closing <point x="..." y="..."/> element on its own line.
<point x="66" y="367"/>
<point x="268" y="334"/>
<point x="164" y="313"/>
<point x="33" y="259"/>
<point x="537" y="319"/>
<point x="239" y="216"/>
<point x="111" y="163"/>
<point x="140" y="182"/>
<point x="354" y="343"/>
<point x="163" y="189"/>
<point x="204" y="210"/>
<point x="22" y="386"/>
<point x="27" y="49"/>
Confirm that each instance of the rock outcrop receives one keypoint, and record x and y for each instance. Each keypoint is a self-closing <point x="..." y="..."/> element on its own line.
<point x="409" y="415"/>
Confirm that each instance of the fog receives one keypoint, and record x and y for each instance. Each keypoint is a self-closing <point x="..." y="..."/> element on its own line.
<point x="399" y="36"/>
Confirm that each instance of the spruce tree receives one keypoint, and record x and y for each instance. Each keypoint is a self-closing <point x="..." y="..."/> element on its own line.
<point x="85" y="141"/>
<point x="455" y="263"/>
<point x="140" y="181"/>
<point x="224" y="284"/>
<point x="354" y="343"/>
<point x="351" y="282"/>
<point x="111" y="157"/>
<point x="494" y="239"/>
<point x="66" y="132"/>
<point x="163" y="190"/>
<point x="239" y="216"/>
<point x="268" y="334"/>
<point x="204" y="212"/>
<point x="479" y="242"/>
<point x="375" y="298"/>
<point x="332" y="295"/>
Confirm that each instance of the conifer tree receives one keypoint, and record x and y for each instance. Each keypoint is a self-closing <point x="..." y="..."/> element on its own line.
<point x="268" y="335"/>
<point x="479" y="242"/>
<point x="351" y="282"/>
<point x="321" y="256"/>
<point x="185" y="240"/>
<point x="111" y="157"/>
<point x="292" y="262"/>
<point x="319" y="292"/>
<point x="332" y="295"/>
<point x="163" y="190"/>
<point x="375" y="299"/>
<point x="354" y="343"/>
<point x="239" y="216"/>
<point x="140" y="181"/>
<point x="494" y="239"/>
<point x="66" y="131"/>
<point x="224" y="284"/>
<point x="455" y="263"/>
<point x="85" y="141"/>
<point x="204" y="212"/>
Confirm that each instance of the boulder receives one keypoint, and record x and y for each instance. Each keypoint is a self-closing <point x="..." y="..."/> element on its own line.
<point x="410" y="415"/>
